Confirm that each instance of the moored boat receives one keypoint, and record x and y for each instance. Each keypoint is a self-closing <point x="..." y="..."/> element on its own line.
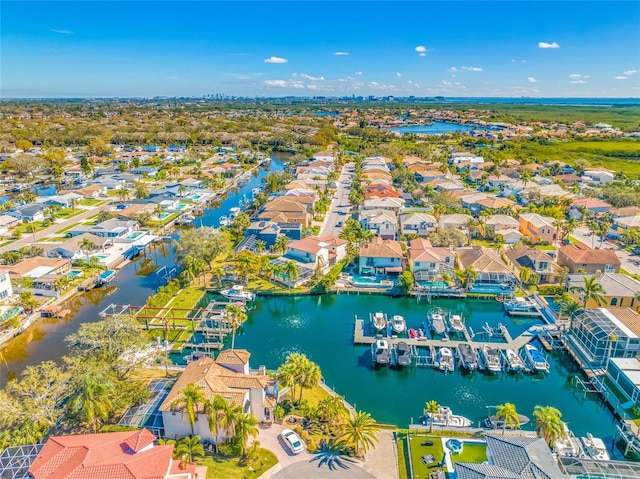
<point x="494" y="422"/>
<point x="379" y="320"/>
<point x="380" y="352"/>
<point x="491" y="358"/>
<point x="224" y="221"/>
<point x="456" y="323"/>
<point x="436" y="318"/>
<point x="237" y="293"/>
<point x="536" y="360"/>
<point x="403" y="354"/>
<point x="445" y="418"/>
<point x="467" y="356"/>
<point x="445" y="359"/>
<point x="567" y="445"/>
<point x="398" y="324"/>
<point x="521" y="307"/>
<point x="515" y="363"/>
<point x="595" y="448"/>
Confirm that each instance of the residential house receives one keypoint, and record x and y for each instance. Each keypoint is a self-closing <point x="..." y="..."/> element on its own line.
<point x="72" y="248"/>
<point x="375" y="175"/>
<point x="427" y="262"/>
<point x="420" y="224"/>
<point x="66" y="200"/>
<point x="538" y="228"/>
<point x="500" y="223"/>
<point x="7" y="222"/>
<point x="579" y="258"/>
<point x="384" y="223"/>
<point x="598" y="176"/>
<point x="228" y="376"/>
<point x="149" y="171"/>
<point x="391" y="204"/>
<point x="590" y="205"/>
<point x="6" y="289"/>
<point x="624" y="211"/>
<point x="380" y="190"/>
<point x="287" y="209"/>
<point x="112" y="228"/>
<point x="130" y="455"/>
<point x="456" y="221"/>
<point x="43" y="271"/>
<point x="465" y="157"/>
<point x="538" y="261"/>
<point x="28" y="213"/>
<point x="381" y="257"/>
<point x="623" y="223"/>
<point x="624" y="373"/>
<point x="493" y="276"/>
<point x="595" y="335"/>
<point x="313" y="253"/>
<point x="90" y="192"/>
<point x="132" y="211"/>
<point x="620" y="290"/>
<point x="109" y="183"/>
<point x="451" y="186"/>
<point x="268" y="231"/>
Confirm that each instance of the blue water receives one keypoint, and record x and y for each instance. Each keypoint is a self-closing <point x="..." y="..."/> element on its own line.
<point x="436" y="128"/>
<point x="550" y="101"/>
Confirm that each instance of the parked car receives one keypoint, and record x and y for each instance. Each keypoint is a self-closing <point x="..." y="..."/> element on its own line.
<point x="339" y="224"/>
<point x="292" y="441"/>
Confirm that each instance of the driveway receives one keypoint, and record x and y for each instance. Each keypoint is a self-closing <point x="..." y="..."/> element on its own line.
<point x="270" y="439"/>
<point x="339" y="209"/>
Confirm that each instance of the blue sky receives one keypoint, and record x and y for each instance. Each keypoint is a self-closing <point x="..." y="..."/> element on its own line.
<point x="146" y="48"/>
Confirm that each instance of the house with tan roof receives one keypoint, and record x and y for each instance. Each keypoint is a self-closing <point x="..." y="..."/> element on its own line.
<point x="72" y="248"/>
<point x="538" y="228"/>
<point x="383" y="223"/>
<point x="580" y="257"/>
<point x="380" y="257"/>
<point x="538" y="261"/>
<point x="230" y="377"/>
<point x="426" y="261"/>
<point x="620" y="290"/>
<point x="493" y="276"/>
<point x="420" y="224"/>
<point x="111" y="455"/>
<point x="457" y="221"/>
<point x="287" y="209"/>
<point x="391" y="204"/>
<point x="43" y="271"/>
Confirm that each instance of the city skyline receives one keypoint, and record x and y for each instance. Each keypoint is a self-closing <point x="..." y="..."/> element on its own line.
<point x="453" y="49"/>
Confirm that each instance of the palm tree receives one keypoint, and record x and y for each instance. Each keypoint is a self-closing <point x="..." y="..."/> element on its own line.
<point x="91" y="403"/>
<point x="187" y="401"/>
<point x="188" y="448"/>
<point x="87" y="246"/>
<point x="122" y="193"/>
<point x="182" y="190"/>
<point x="309" y="376"/>
<point x="280" y="244"/>
<point x="331" y="409"/>
<point x="525" y="275"/>
<point x="431" y="407"/>
<point x="548" y="423"/>
<point x="291" y="271"/>
<point x="229" y="417"/>
<point x="568" y="307"/>
<point x="214" y="410"/>
<point x="158" y="210"/>
<point x="245" y="428"/>
<point x="591" y="290"/>
<point x="360" y="431"/>
<point x="235" y="316"/>
<point x="471" y="275"/>
<point x="509" y="416"/>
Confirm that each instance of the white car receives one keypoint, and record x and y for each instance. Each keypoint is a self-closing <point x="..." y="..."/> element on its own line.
<point x="292" y="441"/>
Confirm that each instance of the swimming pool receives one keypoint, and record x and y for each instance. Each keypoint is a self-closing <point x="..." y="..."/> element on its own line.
<point x="10" y="313"/>
<point x="136" y="235"/>
<point x="74" y="273"/>
<point x="488" y="288"/>
<point x="433" y="284"/>
<point x="164" y="216"/>
<point x="196" y="197"/>
<point x="101" y="256"/>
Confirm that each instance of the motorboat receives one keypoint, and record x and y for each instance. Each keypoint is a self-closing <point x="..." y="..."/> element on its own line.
<point x="445" y="418"/>
<point x="491" y="357"/>
<point x="437" y="321"/>
<point x="379" y="320"/>
<point x="467" y="357"/>
<point x="398" y="324"/>
<point x="595" y="448"/>
<point x="194" y="357"/>
<point x="233" y="212"/>
<point x="521" y="307"/>
<point x="456" y="323"/>
<point x="403" y="354"/>
<point x="536" y="360"/>
<point x="445" y="359"/>
<point x="567" y="445"/>
<point x="224" y="221"/>
<point x="494" y="422"/>
<point x="514" y="361"/>
<point x="380" y="352"/>
<point x="237" y="293"/>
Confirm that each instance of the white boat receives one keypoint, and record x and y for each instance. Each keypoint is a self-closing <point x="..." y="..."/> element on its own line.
<point x="398" y="324"/>
<point x="445" y="418"/>
<point x="521" y="307"/>
<point x="255" y="191"/>
<point x="238" y="293"/>
<point x="233" y="212"/>
<point x="379" y="320"/>
<point x="456" y="323"/>
<point x="445" y="359"/>
<point x="380" y="352"/>
<point x="536" y="360"/>
<point x="491" y="357"/>
<point x="595" y="448"/>
<point x="567" y="445"/>
<point x="437" y="322"/>
<point x="224" y="221"/>
<point x="515" y="362"/>
<point x="194" y="357"/>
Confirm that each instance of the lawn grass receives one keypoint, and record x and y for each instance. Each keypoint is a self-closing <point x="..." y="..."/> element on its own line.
<point x="90" y="202"/>
<point x="403" y="455"/>
<point x="476" y="453"/>
<point x="417" y="450"/>
<point x="257" y="284"/>
<point x="67" y="228"/>
<point x="233" y="468"/>
<point x="6" y="243"/>
<point x="187" y="298"/>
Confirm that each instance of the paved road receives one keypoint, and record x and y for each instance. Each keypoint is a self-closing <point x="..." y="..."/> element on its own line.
<point x="629" y="262"/>
<point x="339" y="209"/>
<point x="27" y="238"/>
<point x="331" y="468"/>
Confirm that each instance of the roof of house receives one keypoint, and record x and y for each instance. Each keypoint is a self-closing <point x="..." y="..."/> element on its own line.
<point x="494" y="202"/>
<point x="115" y="455"/>
<point x="590" y="203"/>
<point x="482" y="260"/>
<point x="383" y="202"/>
<point x="614" y="284"/>
<point x="582" y="254"/>
<point x="24" y="267"/>
<point x="628" y="317"/>
<point x="502" y="220"/>
<point x="75" y="243"/>
<point x="525" y="256"/>
<point x="234" y="356"/>
<point x="420" y="249"/>
<point x="416" y="219"/>
<point x="379" y="248"/>
<point x="455" y="219"/>
<point x="7" y="220"/>
<point x="379" y="216"/>
<point x="537" y="220"/>
<point x="313" y="244"/>
<point x="286" y="203"/>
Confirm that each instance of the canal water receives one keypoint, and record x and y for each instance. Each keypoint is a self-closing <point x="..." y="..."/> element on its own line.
<point x="435" y="128"/>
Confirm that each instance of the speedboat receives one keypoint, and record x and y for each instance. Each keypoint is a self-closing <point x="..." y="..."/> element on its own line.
<point x="233" y="212"/>
<point x="379" y="320"/>
<point x="437" y="322"/>
<point x="445" y="418"/>
<point x="521" y="307"/>
<point x="567" y="444"/>
<point x="536" y="359"/>
<point x="515" y="362"/>
<point x="467" y="356"/>
<point x="595" y="448"/>
<point x="194" y="357"/>
<point x="380" y="352"/>
<point x="494" y="422"/>
<point x="224" y="221"/>
<point x="491" y="358"/>
<point x="237" y="293"/>
<point x="456" y="323"/>
<point x="445" y="359"/>
<point x="403" y="354"/>
<point x="398" y="324"/>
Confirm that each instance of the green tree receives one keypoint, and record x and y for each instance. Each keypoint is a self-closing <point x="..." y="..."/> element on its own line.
<point x="280" y="244"/>
<point x="189" y="401"/>
<point x="188" y="449"/>
<point x="245" y="427"/>
<point x="214" y="410"/>
<point x="590" y="290"/>
<point x="235" y="315"/>
<point x="141" y="189"/>
<point x="122" y="193"/>
<point x="405" y="281"/>
<point x="90" y="403"/>
<point x="548" y="423"/>
<point x="87" y="246"/>
<point x="508" y="414"/>
<point x="24" y="145"/>
<point x="291" y="271"/>
<point x="525" y="275"/>
<point x="431" y="407"/>
<point x="359" y="432"/>
<point x="27" y="301"/>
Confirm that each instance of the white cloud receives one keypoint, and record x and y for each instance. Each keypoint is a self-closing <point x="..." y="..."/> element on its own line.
<point x="472" y="69"/>
<point x="577" y="82"/>
<point x="446" y="83"/>
<point x="453" y="69"/>
<point x="422" y="50"/>
<point x="578" y="75"/>
<point x="548" y="45"/>
<point x="341" y="54"/>
<point x="621" y="77"/>
<point x="359" y="74"/>
<point x="630" y="72"/>
<point x="63" y="32"/>
<point x="422" y="54"/>
<point x="374" y="83"/>
<point x="278" y="83"/>
<point x="309" y="77"/>
<point x="398" y="74"/>
<point x="275" y="60"/>
<point x="532" y="80"/>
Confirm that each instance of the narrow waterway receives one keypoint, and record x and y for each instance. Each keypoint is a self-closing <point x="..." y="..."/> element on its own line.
<point x="134" y="284"/>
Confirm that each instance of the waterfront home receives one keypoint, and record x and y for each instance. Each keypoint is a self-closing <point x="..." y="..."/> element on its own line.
<point x="512" y="458"/>
<point x="620" y="290"/>
<point x="132" y="211"/>
<point x="6" y="288"/>
<point x="420" y="224"/>
<point x="595" y="335"/>
<point x="112" y="228"/>
<point x="538" y="261"/>
<point x="72" y="248"/>
<point x="322" y="251"/>
<point x="391" y="204"/>
<point x="43" y="271"/>
<point x="456" y="221"/>
<point x="538" y="228"/>
<point x="426" y="261"/>
<point x="28" y="213"/>
<point x="579" y="258"/>
<point x="228" y="376"/>
<point x="595" y="206"/>
<point x="380" y="257"/>
<point x="168" y="203"/>
<point x="268" y="231"/>
<point x="493" y="276"/>
<point x="287" y="209"/>
<point x="624" y="373"/>
<point x="130" y="455"/>
<point x="384" y="223"/>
